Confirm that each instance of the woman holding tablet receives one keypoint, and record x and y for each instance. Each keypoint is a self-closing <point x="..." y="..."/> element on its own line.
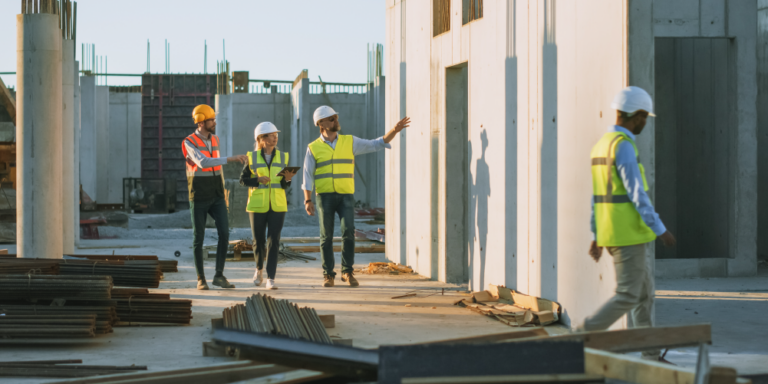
<point x="266" y="181"/>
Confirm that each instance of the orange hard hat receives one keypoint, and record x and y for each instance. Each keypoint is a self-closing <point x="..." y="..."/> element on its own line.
<point x="202" y="113"/>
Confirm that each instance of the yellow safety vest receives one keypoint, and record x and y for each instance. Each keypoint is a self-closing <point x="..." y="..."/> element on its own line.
<point x="334" y="169"/>
<point x="616" y="218"/>
<point x="265" y="195"/>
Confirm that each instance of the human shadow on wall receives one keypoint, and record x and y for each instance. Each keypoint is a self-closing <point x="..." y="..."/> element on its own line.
<point x="480" y="192"/>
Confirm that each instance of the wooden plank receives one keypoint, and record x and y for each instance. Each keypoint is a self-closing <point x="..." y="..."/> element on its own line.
<point x="329" y="321"/>
<point x="430" y="360"/>
<point x="216" y="374"/>
<point x="636" y="370"/>
<point x="640" y="339"/>
<point x="506" y="336"/>
<point x="531" y="379"/>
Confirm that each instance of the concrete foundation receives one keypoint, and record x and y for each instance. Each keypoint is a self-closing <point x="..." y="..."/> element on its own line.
<point x="68" y="77"/>
<point x="39" y="128"/>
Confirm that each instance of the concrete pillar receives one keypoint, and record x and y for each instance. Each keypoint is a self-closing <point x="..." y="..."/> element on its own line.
<point x="68" y="144"/>
<point x="103" y="165"/>
<point x="87" y="149"/>
<point x="76" y="153"/>
<point x="223" y="105"/>
<point x="38" y="141"/>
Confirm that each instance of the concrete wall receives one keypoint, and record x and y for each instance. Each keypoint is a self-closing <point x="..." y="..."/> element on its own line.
<point x="124" y="143"/>
<point x="541" y="77"/>
<point x="762" y="126"/>
<point x="103" y="162"/>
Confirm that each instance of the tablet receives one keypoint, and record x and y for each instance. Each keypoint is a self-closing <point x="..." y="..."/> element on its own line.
<point x="290" y="169"/>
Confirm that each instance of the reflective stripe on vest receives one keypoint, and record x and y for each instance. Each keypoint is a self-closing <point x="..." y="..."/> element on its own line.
<point x="334" y="168"/>
<point x="197" y="142"/>
<point x="617" y="221"/>
<point x="261" y="198"/>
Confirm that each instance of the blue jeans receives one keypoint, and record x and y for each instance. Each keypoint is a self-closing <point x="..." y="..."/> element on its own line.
<point x="200" y="210"/>
<point x="328" y="206"/>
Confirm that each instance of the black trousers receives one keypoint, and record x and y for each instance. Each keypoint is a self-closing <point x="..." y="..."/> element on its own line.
<point x="266" y="225"/>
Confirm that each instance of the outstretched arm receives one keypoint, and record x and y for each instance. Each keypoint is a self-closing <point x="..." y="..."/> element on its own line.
<point x="402" y="124"/>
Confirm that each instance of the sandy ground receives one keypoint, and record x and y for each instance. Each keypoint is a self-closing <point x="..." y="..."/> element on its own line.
<point x="368" y="315"/>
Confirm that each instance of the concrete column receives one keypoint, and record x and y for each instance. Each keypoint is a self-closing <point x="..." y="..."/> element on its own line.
<point x="76" y="153"/>
<point x="224" y="123"/>
<point x="68" y="144"/>
<point x="103" y="165"/>
<point x="38" y="140"/>
<point x="87" y="149"/>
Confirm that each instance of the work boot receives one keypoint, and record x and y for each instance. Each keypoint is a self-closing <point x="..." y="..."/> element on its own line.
<point x="258" y="277"/>
<point x="349" y="278"/>
<point x="202" y="285"/>
<point x="221" y="281"/>
<point x="327" y="281"/>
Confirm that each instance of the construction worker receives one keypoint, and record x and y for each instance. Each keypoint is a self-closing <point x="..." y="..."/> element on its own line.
<point x="267" y="203"/>
<point x="205" y="181"/>
<point x="623" y="218"/>
<point x="329" y="166"/>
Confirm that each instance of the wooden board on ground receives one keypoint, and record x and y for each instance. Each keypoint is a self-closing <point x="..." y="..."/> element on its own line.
<point x="359" y="248"/>
<point x="574" y="378"/>
<point x="329" y="321"/>
<point x="499" y="337"/>
<point x="636" y="370"/>
<point x="431" y="360"/>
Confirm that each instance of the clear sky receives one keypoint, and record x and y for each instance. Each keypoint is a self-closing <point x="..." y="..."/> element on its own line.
<point x="273" y="39"/>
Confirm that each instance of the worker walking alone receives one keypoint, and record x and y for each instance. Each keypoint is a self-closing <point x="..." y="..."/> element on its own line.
<point x="267" y="203"/>
<point x="329" y="166"/>
<point x="623" y="218"/>
<point x="205" y="181"/>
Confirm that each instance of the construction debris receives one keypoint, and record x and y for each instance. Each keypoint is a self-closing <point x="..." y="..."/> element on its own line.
<point x="62" y="368"/>
<point x="80" y="287"/>
<point x="106" y="315"/>
<point x="385" y="268"/>
<point x="513" y="308"/>
<point x="141" y="306"/>
<point x="47" y="326"/>
<point x="263" y="314"/>
<point x="125" y="273"/>
<point x="165" y="265"/>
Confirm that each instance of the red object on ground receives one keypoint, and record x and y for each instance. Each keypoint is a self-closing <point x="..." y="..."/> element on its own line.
<point x="89" y="229"/>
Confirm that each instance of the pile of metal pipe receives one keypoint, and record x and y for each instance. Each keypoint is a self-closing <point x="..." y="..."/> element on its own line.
<point x="105" y="315"/>
<point x="264" y="314"/>
<point x="125" y="273"/>
<point x="25" y="266"/>
<point x="47" y="326"/>
<point x="60" y="368"/>
<point x="165" y="265"/>
<point x="140" y="306"/>
<point x="79" y="287"/>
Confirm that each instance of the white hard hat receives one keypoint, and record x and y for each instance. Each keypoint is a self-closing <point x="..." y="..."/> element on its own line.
<point x="632" y="99"/>
<point x="263" y="129"/>
<point x="323" y="112"/>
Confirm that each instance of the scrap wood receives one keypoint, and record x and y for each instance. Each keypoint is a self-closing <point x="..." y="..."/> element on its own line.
<point x="385" y="268"/>
<point x="636" y="370"/>
<point x="507" y="311"/>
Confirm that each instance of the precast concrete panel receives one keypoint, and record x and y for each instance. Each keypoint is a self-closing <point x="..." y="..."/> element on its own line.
<point x="762" y="138"/>
<point x="77" y="97"/>
<point x="38" y="139"/>
<point x="124" y="142"/>
<point x="103" y="163"/>
<point x="68" y="146"/>
<point x="88" y="135"/>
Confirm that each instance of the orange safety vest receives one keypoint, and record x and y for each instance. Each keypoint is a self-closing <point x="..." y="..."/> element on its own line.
<point x="198" y="179"/>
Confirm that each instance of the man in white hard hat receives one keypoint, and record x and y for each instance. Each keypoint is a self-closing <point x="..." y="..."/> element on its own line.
<point x="623" y="218"/>
<point x="329" y="167"/>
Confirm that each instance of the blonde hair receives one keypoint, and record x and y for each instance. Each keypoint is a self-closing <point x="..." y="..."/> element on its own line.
<point x="259" y="144"/>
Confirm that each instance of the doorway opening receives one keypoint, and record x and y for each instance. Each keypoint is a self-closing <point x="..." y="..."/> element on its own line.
<point x="693" y="144"/>
<point x="456" y="202"/>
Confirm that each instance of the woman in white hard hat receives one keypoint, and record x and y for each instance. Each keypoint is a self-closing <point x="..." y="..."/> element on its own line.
<point x="267" y="203"/>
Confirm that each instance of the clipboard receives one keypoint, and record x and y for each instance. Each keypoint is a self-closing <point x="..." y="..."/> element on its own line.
<point x="291" y="169"/>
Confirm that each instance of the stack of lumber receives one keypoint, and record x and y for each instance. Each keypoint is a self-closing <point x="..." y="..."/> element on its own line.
<point x="105" y="315"/>
<point x="60" y="368"/>
<point x="263" y="314"/>
<point x="165" y="265"/>
<point x="385" y="268"/>
<point x="13" y="266"/>
<point x="513" y="308"/>
<point x="80" y="287"/>
<point x="47" y="326"/>
<point x="140" y="306"/>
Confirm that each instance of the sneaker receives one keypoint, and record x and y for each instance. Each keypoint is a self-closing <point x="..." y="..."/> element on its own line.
<point x="258" y="277"/>
<point x="221" y="281"/>
<point x="202" y="285"/>
<point x="327" y="281"/>
<point x="271" y="284"/>
<point x="349" y="278"/>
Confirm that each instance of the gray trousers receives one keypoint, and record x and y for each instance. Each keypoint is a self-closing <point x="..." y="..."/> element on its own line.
<point x="634" y="291"/>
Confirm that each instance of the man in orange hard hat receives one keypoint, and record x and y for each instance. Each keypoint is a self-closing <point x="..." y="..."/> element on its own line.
<point x="205" y="181"/>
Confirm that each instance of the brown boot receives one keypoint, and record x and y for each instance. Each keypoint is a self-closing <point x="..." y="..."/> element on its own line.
<point x="327" y="281"/>
<point x="202" y="285"/>
<point x="350" y="278"/>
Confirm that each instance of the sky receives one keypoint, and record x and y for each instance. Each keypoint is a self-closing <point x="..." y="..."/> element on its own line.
<point x="272" y="39"/>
